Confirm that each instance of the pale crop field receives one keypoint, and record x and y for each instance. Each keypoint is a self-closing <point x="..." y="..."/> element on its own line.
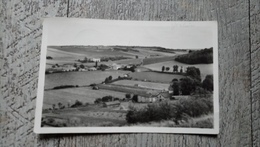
<point x="93" y="52"/>
<point x="62" y="56"/>
<point x="79" y="78"/>
<point x="70" y="95"/>
<point x="205" y="69"/>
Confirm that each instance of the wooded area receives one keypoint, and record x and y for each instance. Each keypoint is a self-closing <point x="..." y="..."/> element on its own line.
<point x="239" y="67"/>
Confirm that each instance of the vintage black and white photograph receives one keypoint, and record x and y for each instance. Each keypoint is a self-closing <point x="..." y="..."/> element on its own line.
<point x="105" y="76"/>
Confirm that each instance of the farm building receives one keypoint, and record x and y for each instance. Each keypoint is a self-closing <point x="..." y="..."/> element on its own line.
<point x="68" y="68"/>
<point x="95" y="59"/>
<point x="146" y="99"/>
<point x="116" y="66"/>
<point x="163" y="96"/>
<point x="82" y="69"/>
<point x="92" y="69"/>
<point x="111" y="104"/>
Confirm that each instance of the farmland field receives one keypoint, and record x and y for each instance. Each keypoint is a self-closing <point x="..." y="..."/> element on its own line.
<point x="152" y="85"/>
<point x="205" y="69"/>
<point x="128" y="89"/>
<point x="79" y="78"/>
<point x="155" y="77"/>
<point x="89" y="51"/>
<point x="70" y="95"/>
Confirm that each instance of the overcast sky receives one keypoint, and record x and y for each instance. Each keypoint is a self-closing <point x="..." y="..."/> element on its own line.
<point x="175" y="35"/>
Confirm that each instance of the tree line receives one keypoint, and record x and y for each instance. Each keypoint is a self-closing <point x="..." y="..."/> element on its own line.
<point x="192" y="83"/>
<point x="204" y="56"/>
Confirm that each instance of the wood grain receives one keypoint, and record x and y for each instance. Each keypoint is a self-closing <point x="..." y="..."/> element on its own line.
<point x="19" y="56"/>
<point x="21" y="28"/>
<point x="255" y="69"/>
<point x="234" y="54"/>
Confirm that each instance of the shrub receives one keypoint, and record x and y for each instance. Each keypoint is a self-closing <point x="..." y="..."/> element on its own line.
<point x="77" y="104"/>
<point x="64" y="86"/>
<point x="98" y="100"/>
<point x="107" y="98"/>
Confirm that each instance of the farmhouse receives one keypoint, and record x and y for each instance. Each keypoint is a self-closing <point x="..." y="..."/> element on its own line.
<point x="82" y="69"/>
<point x="92" y="69"/>
<point x="95" y="59"/>
<point x="160" y="96"/>
<point x="68" y="68"/>
<point x="146" y="99"/>
<point x="116" y="66"/>
<point x="163" y="96"/>
<point x="111" y="104"/>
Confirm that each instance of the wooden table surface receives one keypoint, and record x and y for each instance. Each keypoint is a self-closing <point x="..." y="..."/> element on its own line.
<point x="239" y="59"/>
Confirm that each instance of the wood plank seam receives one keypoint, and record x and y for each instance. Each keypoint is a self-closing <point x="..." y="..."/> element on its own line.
<point x="250" y="68"/>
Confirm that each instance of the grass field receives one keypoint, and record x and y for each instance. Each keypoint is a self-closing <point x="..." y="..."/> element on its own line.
<point x="151" y="85"/>
<point x="70" y="95"/>
<point x="91" y="117"/>
<point x="155" y="77"/>
<point x="79" y="78"/>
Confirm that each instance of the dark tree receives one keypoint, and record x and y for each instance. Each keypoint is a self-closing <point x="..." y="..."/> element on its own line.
<point x="110" y="78"/>
<point x="49" y="58"/>
<point x="107" y="98"/>
<point x="163" y="68"/>
<point x="174" y="80"/>
<point x="59" y="105"/>
<point x="197" y="57"/>
<point x="75" y="65"/>
<point x="136" y="57"/>
<point x="98" y="100"/>
<point x="106" y="80"/>
<point x="127" y="96"/>
<point x="181" y="69"/>
<point x="194" y="73"/>
<point x="96" y="64"/>
<point x="135" y="98"/>
<point x="208" y="83"/>
<point x="175" y="87"/>
<point x="187" y="86"/>
<point x="82" y="66"/>
<point x="175" y="68"/>
<point x="53" y="106"/>
<point x="167" y="68"/>
<point x="77" y="104"/>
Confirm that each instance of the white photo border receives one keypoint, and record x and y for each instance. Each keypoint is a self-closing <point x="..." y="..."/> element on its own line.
<point x="181" y="130"/>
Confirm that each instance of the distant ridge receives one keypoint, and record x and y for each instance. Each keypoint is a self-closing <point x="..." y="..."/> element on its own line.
<point x="122" y="47"/>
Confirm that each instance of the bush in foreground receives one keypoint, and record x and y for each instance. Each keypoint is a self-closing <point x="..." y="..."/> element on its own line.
<point x="179" y="111"/>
